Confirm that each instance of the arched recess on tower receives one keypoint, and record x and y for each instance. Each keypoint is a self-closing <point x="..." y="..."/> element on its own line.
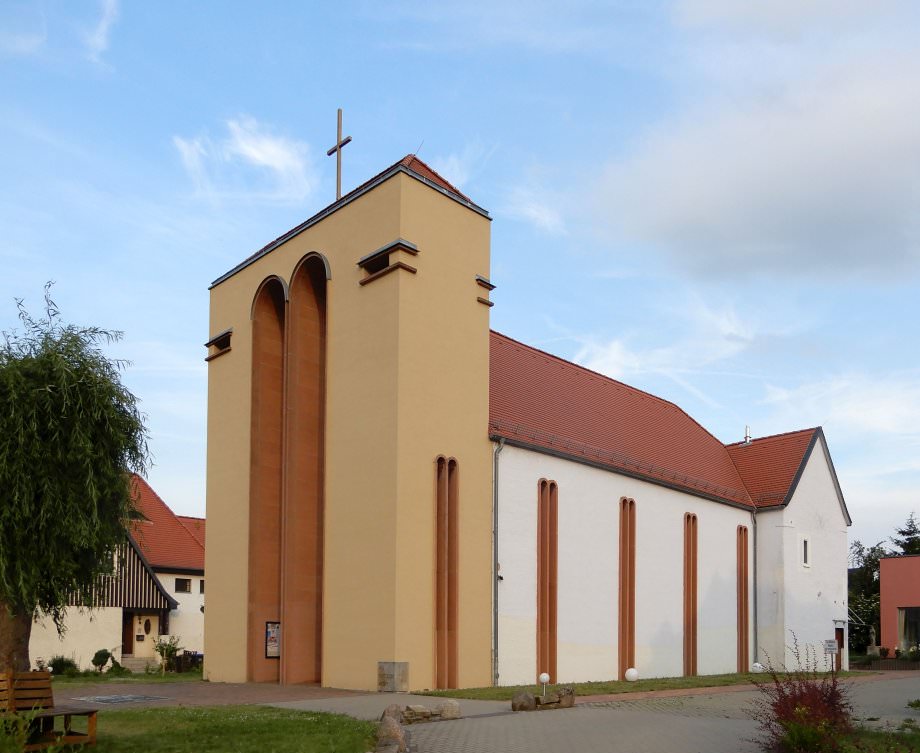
<point x="303" y="528"/>
<point x="265" y="474"/>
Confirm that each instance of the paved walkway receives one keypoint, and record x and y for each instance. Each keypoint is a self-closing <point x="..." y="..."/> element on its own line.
<point x="713" y="720"/>
<point x="710" y="720"/>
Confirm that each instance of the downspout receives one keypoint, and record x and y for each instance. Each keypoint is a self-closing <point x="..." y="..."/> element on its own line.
<point x="754" y="616"/>
<point x="495" y="453"/>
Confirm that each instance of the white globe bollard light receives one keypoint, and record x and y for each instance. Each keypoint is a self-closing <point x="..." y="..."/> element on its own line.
<point x="544" y="678"/>
<point x="632" y="674"/>
<point x="757" y="667"/>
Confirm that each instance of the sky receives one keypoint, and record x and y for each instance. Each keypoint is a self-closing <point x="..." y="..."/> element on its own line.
<point x="714" y="201"/>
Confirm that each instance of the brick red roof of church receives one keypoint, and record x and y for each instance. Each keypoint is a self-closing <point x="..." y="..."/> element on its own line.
<point x="540" y="400"/>
<point x="162" y="538"/>
<point x="195" y="527"/>
<point x="769" y="465"/>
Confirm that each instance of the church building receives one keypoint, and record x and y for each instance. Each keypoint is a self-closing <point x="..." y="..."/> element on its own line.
<point x="400" y="498"/>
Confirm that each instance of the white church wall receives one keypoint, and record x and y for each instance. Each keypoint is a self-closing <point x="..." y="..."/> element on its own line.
<point x="87" y="632"/>
<point x="816" y="593"/>
<point x="187" y="620"/>
<point x="771" y="624"/>
<point x="588" y="578"/>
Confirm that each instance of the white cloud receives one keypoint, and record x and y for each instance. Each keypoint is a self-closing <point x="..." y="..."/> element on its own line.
<point x="822" y="177"/>
<point x="784" y="16"/>
<point x="857" y="403"/>
<point x="711" y="335"/>
<point x="97" y="40"/>
<point x="460" y="168"/>
<point x="535" y="207"/>
<point x="23" y="29"/>
<point x="249" y="162"/>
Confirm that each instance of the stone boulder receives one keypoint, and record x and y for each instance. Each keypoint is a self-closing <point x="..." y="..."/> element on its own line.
<point x="394" y="711"/>
<point x="566" y="698"/>
<point x="449" y="709"/>
<point x="523" y="701"/>
<point x="390" y="733"/>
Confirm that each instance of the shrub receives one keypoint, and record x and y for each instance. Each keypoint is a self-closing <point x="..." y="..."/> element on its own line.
<point x="166" y="648"/>
<point x="14" y="732"/>
<point x="803" y="711"/>
<point x="62" y="665"/>
<point x="915" y="704"/>
<point x="883" y="652"/>
<point x="914" y="653"/>
<point x="101" y="658"/>
<point x="116" y="670"/>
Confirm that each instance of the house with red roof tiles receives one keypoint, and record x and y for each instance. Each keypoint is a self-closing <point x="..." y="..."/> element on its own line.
<point x="157" y="589"/>
<point x="378" y="455"/>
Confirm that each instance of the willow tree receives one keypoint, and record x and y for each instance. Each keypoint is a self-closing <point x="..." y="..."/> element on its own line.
<point x="70" y="434"/>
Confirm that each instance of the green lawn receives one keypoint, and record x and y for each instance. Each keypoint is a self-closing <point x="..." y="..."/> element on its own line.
<point x="609" y="686"/>
<point x="241" y="729"/>
<point x="876" y="741"/>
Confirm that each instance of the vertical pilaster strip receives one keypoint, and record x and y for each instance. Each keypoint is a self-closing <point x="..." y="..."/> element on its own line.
<point x="743" y="610"/>
<point x="626" y="647"/>
<point x="453" y="544"/>
<point x="441" y="573"/>
<point x="553" y="578"/>
<point x="542" y="592"/>
<point x="690" y="594"/>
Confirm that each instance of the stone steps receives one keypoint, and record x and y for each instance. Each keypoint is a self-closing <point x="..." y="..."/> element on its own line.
<point x="138" y="664"/>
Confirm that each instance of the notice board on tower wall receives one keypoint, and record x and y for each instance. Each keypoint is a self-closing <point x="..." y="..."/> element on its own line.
<point x="272" y="640"/>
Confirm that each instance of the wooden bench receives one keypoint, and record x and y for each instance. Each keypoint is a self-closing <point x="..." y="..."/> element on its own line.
<point x="29" y="693"/>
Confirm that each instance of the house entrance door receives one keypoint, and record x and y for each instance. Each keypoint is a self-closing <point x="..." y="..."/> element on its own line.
<point x="127" y="633"/>
<point x="838" y="634"/>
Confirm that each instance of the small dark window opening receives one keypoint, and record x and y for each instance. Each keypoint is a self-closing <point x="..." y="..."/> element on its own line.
<point x="377" y="264"/>
<point x="222" y="342"/>
<point x="805" y="552"/>
<point x="201" y="586"/>
<point x="183" y="585"/>
<point x="218" y="345"/>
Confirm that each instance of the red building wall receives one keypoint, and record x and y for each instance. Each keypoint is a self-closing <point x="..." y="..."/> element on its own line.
<point x="900" y="587"/>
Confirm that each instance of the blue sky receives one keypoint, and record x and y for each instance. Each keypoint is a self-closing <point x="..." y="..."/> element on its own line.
<point x="718" y="202"/>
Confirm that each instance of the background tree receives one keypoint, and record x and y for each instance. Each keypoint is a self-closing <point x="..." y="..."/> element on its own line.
<point x="70" y="434"/>
<point x="908" y="538"/>
<point x="864" y="592"/>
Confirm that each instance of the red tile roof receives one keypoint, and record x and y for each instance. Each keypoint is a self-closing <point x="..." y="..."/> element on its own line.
<point x="541" y="400"/>
<point x="195" y="527"/>
<point x="417" y="166"/>
<point x="162" y="538"/>
<point x="769" y="465"/>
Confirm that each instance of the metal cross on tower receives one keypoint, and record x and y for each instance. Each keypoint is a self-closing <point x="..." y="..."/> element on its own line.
<point x="337" y="150"/>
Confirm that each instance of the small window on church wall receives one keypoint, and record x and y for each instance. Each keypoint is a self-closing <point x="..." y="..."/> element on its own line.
<point x="218" y="345"/>
<point x="201" y="586"/>
<point x="806" y="553"/>
<point x="183" y="585"/>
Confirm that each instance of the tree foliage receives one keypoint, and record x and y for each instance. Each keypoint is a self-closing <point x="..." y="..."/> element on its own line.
<point x="70" y="434"/>
<point x="908" y="538"/>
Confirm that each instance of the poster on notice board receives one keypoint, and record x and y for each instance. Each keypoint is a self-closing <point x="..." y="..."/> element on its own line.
<point x="272" y="640"/>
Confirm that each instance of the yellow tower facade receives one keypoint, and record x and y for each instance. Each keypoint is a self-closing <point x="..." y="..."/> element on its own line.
<point x="349" y="467"/>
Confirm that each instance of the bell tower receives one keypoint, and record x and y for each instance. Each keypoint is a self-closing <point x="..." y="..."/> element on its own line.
<point x="349" y="473"/>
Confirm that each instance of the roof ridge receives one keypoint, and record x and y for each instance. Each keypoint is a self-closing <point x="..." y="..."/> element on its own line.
<point x="410" y="158"/>
<point x="742" y="443"/>
<point x="670" y="403"/>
